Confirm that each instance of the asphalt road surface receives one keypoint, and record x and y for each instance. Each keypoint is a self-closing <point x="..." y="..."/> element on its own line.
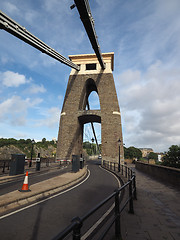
<point x="45" y="220"/>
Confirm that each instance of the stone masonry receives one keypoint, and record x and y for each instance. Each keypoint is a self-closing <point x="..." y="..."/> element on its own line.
<point x="74" y="114"/>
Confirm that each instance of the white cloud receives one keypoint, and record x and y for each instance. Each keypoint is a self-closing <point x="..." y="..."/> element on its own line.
<point x="11" y="8"/>
<point x="150" y="105"/>
<point x="145" y="37"/>
<point x="50" y="119"/>
<point x="14" y="110"/>
<point x="35" y="88"/>
<point x="12" y="79"/>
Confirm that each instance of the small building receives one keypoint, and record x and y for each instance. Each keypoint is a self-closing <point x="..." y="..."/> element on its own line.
<point x="146" y="151"/>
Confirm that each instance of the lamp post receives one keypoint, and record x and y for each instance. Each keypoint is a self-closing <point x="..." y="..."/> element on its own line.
<point x="92" y="146"/>
<point x="119" y="142"/>
<point x="30" y="163"/>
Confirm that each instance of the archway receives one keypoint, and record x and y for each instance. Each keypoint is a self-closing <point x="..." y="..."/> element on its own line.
<point x="76" y="108"/>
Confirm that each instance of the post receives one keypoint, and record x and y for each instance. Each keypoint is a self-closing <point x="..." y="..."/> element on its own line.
<point x="77" y="228"/>
<point x="126" y="171"/>
<point x="131" y="207"/>
<point x="117" y="217"/>
<point x="119" y="142"/>
<point x="4" y="165"/>
<point x="30" y="163"/>
<point x="128" y="174"/>
<point x="38" y="162"/>
<point x="8" y="165"/>
<point x="134" y="186"/>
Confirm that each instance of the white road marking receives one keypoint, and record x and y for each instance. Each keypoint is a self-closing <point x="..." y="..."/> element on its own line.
<point x="86" y="235"/>
<point x="44" y="200"/>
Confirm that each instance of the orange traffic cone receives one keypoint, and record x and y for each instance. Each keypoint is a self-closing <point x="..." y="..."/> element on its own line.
<point x="25" y="184"/>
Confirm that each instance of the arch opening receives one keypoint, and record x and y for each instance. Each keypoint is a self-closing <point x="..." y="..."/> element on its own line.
<point x="89" y="143"/>
<point x="93" y="100"/>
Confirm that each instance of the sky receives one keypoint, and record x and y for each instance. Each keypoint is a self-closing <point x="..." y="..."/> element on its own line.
<point x="145" y="38"/>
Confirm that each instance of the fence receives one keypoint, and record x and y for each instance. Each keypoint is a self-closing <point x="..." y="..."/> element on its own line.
<point x="77" y="223"/>
<point x="4" y="164"/>
<point x="45" y="162"/>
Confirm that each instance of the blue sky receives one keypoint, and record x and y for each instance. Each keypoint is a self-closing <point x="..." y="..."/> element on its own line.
<point x="145" y="37"/>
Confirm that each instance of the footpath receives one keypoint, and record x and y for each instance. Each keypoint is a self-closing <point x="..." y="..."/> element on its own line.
<point x="39" y="191"/>
<point x="156" y="211"/>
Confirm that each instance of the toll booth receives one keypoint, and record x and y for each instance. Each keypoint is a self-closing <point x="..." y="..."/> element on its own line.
<point x="75" y="163"/>
<point x="17" y="164"/>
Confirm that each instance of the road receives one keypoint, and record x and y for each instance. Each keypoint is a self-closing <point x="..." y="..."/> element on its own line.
<point x="47" y="219"/>
<point x="36" y="177"/>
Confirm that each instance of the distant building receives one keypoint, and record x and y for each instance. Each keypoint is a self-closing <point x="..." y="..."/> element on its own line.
<point x="54" y="140"/>
<point x="146" y="151"/>
<point x="160" y="157"/>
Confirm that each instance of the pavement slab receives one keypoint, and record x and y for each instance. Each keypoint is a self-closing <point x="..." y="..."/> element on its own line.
<point x="156" y="211"/>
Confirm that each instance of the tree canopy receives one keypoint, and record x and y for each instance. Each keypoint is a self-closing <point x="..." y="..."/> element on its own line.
<point x="153" y="155"/>
<point x="91" y="148"/>
<point x="132" y="153"/>
<point x="172" y="157"/>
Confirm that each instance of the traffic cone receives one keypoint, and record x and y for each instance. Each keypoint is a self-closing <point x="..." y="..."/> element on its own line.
<point x="25" y="184"/>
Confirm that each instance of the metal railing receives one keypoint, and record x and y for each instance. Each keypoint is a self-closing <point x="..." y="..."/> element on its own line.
<point x="4" y="164"/>
<point x="76" y="225"/>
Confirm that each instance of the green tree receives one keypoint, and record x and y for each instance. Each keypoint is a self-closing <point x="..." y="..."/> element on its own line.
<point x="21" y="141"/>
<point x="153" y="155"/>
<point x="28" y="141"/>
<point x="86" y="145"/>
<point x="44" y="140"/>
<point x="132" y="153"/>
<point x="172" y="157"/>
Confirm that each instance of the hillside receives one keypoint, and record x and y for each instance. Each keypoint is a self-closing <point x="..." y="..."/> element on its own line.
<point x="13" y="146"/>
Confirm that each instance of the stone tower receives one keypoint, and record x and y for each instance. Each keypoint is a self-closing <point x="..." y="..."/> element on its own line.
<point x="74" y="115"/>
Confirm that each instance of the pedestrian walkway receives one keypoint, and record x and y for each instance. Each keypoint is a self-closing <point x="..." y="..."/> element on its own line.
<point x="156" y="211"/>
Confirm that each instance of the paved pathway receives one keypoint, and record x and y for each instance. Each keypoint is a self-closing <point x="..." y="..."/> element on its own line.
<point x="157" y="212"/>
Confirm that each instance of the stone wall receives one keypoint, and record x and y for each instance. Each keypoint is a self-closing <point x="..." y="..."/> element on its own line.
<point x="162" y="173"/>
<point x="75" y="114"/>
<point x="71" y="128"/>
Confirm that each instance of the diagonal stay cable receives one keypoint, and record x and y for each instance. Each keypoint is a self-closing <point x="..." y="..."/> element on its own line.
<point x="94" y="133"/>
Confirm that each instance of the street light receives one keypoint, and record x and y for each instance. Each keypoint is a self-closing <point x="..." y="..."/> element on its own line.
<point x="30" y="163"/>
<point x="119" y="142"/>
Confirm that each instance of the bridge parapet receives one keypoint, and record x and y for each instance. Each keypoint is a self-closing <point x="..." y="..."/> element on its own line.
<point x="166" y="174"/>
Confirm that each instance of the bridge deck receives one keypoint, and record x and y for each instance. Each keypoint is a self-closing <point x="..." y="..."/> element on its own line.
<point x="157" y="211"/>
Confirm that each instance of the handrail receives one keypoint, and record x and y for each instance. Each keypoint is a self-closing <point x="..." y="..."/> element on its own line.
<point x="5" y="164"/>
<point x="77" y="222"/>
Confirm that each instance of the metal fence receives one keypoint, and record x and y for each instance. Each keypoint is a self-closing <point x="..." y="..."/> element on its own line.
<point x="75" y="228"/>
<point x="5" y="164"/>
